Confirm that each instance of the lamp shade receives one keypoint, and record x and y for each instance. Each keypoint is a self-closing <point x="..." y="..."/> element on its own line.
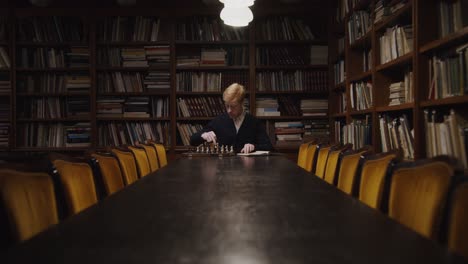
<point x="236" y="16"/>
<point x="237" y="3"/>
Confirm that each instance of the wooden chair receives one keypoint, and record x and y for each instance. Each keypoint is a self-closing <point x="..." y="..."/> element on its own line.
<point x="302" y="154"/>
<point x="373" y="176"/>
<point x="322" y="157"/>
<point x="161" y="150"/>
<point x="333" y="163"/>
<point x="418" y="193"/>
<point x="457" y="234"/>
<point x="311" y="157"/>
<point x="110" y="172"/>
<point x="28" y="199"/>
<point x="127" y="165"/>
<point x="152" y="156"/>
<point x="348" y="169"/>
<point x="141" y="159"/>
<point x="77" y="181"/>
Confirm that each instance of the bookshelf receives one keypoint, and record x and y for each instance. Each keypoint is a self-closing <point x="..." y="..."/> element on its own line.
<point x="94" y="77"/>
<point x="412" y="55"/>
<point x="5" y="82"/>
<point x="291" y="79"/>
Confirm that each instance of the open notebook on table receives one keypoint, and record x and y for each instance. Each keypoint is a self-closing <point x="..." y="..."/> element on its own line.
<point x="255" y="153"/>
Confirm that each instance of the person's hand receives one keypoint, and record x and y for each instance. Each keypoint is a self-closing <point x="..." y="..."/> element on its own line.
<point x="247" y="148"/>
<point x="209" y="136"/>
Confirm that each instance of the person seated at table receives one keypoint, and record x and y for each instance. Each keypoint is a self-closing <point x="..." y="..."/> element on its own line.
<point x="235" y="127"/>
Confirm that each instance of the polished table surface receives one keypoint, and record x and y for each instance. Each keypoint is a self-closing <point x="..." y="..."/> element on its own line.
<point x="246" y="210"/>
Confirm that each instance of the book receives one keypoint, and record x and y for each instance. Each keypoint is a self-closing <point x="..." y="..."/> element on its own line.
<point x="255" y="153"/>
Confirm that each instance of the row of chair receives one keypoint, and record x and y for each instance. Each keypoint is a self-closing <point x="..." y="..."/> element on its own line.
<point x="426" y="196"/>
<point x="33" y="201"/>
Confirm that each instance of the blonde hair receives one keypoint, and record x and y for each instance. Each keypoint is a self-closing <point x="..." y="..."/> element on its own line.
<point x="235" y="92"/>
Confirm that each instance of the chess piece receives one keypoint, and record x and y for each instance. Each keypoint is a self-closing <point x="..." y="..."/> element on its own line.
<point x="232" y="149"/>
<point x="222" y="149"/>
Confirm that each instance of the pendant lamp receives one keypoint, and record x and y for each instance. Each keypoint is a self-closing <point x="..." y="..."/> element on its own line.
<point x="236" y="13"/>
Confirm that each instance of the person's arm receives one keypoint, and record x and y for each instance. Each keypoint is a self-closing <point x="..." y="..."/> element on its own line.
<point x="197" y="139"/>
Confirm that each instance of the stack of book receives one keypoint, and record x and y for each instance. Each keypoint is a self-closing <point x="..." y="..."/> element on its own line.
<point x="78" y="57"/>
<point x="109" y="107"/>
<point x="213" y="57"/>
<point x="267" y="106"/>
<point x="397" y="93"/>
<point x="188" y="60"/>
<point x="157" y="55"/>
<point x="134" y="57"/>
<point x="136" y="106"/>
<point x="289" y="133"/>
<point x="78" y="135"/>
<point x="155" y="80"/>
<point x="77" y="83"/>
<point x="314" y="107"/>
<point x="316" y="129"/>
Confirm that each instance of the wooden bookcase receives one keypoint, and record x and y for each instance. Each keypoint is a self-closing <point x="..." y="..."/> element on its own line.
<point x="109" y="47"/>
<point x="423" y="20"/>
<point x="6" y="97"/>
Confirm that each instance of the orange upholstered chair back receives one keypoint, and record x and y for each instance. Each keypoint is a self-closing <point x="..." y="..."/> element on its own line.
<point x="332" y="166"/>
<point x="141" y="160"/>
<point x="29" y="202"/>
<point x="418" y="194"/>
<point x="127" y="165"/>
<point x="348" y="169"/>
<point x="161" y="150"/>
<point x="458" y="219"/>
<point x="110" y="172"/>
<point x="302" y="154"/>
<point x="311" y="157"/>
<point x="152" y="156"/>
<point x="373" y="175"/>
<point x="322" y="161"/>
<point x="78" y="184"/>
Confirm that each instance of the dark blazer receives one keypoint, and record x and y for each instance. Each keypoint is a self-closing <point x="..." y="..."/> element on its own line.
<point x="251" y="131"/>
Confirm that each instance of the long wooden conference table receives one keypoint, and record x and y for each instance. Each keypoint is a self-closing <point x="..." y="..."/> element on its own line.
<point x="246" y="210"/>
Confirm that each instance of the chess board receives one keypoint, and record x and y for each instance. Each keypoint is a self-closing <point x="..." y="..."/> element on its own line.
<point x="210" y="150"/>
<point x="198" y="154"/>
